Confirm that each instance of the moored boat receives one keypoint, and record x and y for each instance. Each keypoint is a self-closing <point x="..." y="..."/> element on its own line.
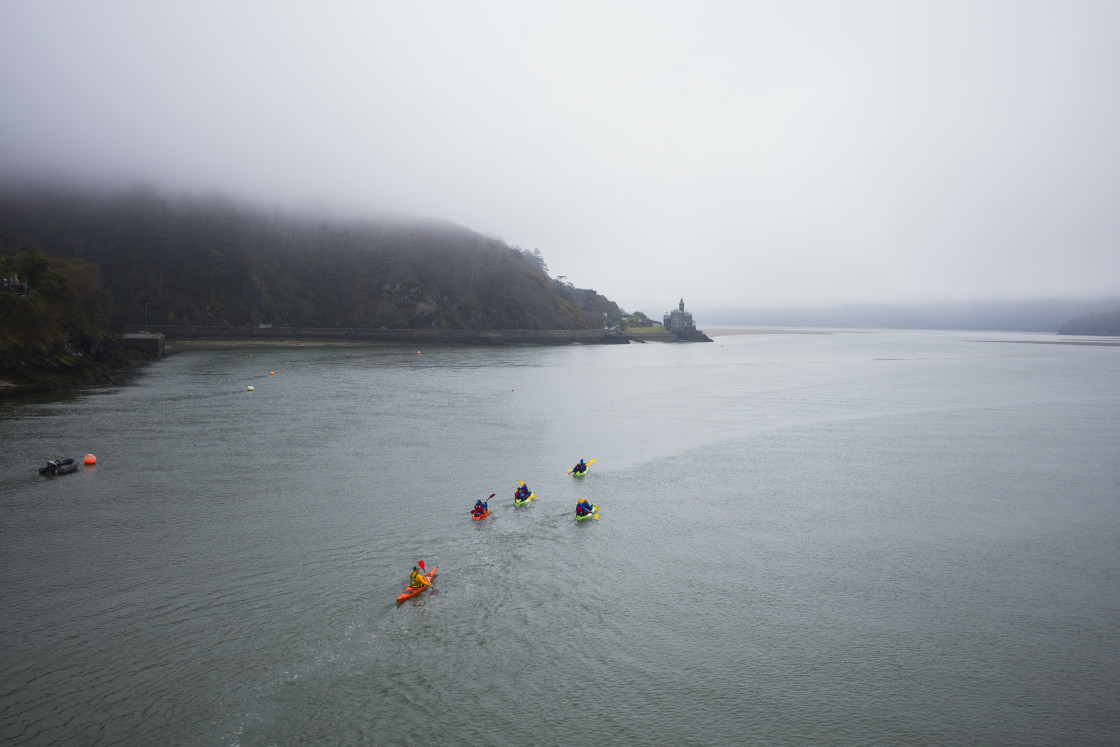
<point x="59" y="467"/>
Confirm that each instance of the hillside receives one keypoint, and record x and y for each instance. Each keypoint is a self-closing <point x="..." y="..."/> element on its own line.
<point x="207" y="260"/>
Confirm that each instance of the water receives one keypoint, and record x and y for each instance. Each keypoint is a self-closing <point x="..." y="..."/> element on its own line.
<point x="860" y="538"/>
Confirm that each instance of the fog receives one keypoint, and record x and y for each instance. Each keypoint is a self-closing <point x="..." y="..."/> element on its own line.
<point x="735" y="154"/>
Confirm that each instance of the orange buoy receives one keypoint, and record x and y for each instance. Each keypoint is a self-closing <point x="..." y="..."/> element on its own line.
<point x="90" y="459"/>
<point x="271" y="373"/>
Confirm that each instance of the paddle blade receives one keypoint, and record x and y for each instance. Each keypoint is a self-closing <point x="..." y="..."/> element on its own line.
<point x="589" y="461"/>
<point x="492" y="495"/>
<point x="421" y="564"/>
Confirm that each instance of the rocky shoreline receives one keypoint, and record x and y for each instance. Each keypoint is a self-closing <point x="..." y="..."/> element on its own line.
<point x="41" y="375"/>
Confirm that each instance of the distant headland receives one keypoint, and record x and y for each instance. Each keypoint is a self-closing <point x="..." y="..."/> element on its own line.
<point x="91" y="280"/>
<point x="676" y="326"/>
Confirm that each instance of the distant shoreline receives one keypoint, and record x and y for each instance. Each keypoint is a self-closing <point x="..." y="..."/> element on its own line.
<point x="212" y="343"/>
<point x="726" y="331"/>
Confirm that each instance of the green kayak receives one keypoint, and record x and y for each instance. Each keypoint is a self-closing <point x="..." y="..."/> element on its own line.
<point x="591" y="515"/>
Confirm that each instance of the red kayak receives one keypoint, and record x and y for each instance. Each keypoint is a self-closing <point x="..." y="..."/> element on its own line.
<point x="410" y="592"/>
<point x="483" y="516"/>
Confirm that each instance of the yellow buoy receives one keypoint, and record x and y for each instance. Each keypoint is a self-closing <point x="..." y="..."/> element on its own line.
<point x="250" y="389"/>
<point x="90" y="459"/>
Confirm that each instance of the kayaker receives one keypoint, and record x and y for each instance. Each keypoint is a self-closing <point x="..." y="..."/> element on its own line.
<point x="581" y="467"/>
<point x="417" y="580"/>
<point x="523" y="492"/>
<point x="583" y="508"/>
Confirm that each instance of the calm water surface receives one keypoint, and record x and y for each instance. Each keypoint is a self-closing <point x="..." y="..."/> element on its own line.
<point x="854" y="538"/>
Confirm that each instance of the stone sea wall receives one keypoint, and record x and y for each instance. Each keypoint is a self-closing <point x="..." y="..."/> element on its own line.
<point x="365" y="334"/>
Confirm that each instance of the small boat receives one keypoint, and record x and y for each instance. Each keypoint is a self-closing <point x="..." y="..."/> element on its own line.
<point x="483" y="516"/>
<point x="410" y="592"/>
<point x="59" y="467"/>
<point x="577" y="472"/>
<point x="522" y="503"/>
<point x="585" y="517"/>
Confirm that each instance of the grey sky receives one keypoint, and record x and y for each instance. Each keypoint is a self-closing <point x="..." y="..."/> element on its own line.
<point x="735" y="153"/>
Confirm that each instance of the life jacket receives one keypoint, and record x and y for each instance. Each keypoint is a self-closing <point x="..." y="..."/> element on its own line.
<point x="415" y="581"/>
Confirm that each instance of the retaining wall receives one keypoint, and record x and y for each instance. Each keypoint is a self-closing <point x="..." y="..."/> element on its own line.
<point x="456" y="336"/>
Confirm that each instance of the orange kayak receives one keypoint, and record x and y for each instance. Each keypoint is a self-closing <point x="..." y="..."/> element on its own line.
<point x="477" y="518"/>
<point x="410" y="592"/>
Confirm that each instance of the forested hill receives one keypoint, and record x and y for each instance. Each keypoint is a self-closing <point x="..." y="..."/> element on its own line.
<point x="207" y="260"/>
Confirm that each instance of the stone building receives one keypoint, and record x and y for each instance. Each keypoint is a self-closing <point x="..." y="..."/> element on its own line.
<point x="679" y="320"/>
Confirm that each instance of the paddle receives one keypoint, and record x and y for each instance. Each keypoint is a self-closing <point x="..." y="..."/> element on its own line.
<point x="589" y="461"/>
<point x="471" y="510"/>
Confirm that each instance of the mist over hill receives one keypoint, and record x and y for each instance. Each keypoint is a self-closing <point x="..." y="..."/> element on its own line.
<point x="210" y="260"/>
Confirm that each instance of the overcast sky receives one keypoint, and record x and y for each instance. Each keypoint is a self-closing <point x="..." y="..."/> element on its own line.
<point x="734" y="153"/>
